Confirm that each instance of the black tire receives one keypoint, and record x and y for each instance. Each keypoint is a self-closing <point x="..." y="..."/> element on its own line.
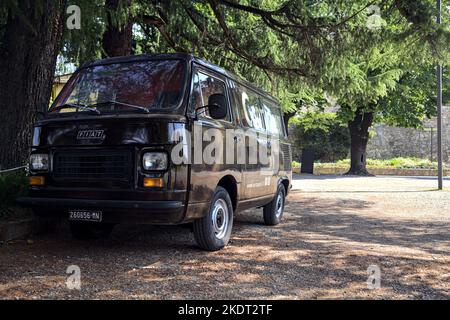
<point x="272" y="213"/>
<point x="208" y="235"/>
<point x="90" y="230"/>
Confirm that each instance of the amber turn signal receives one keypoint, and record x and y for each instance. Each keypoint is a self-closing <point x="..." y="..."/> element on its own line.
<point x="153" y="182"/>
<point x="36" y="180"/>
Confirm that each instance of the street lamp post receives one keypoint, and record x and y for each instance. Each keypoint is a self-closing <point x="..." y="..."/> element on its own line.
<point x="439" y="109"/>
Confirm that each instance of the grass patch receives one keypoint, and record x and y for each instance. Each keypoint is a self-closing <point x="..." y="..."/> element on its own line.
<point x="394" y="163"/>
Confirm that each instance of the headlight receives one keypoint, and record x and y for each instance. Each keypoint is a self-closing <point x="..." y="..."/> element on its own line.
<point x="39" y="162"/>
<point x="154" y="161"/>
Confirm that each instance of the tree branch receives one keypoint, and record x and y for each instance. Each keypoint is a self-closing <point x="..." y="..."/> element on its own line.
<point x="259" y="62"/>
<point x="159" y="24"/>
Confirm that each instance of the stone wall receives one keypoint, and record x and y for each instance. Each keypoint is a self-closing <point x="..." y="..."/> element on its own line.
<point x="389" y="142"/>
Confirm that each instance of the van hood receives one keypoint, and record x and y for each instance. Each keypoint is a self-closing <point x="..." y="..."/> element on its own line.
<point x="107" y="131"/>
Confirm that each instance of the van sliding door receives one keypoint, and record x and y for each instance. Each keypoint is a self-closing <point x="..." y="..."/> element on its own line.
<point x="256" y="180"/>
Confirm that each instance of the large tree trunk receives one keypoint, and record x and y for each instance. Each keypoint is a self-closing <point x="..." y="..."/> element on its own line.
<point x="359" y="134"/>
<point x="28" y="55"/>
<point x="117" y="39"/>
<point x="286" y="117"/>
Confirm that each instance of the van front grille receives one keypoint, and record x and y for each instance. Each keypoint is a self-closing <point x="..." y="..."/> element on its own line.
<point x="93" y="165"/>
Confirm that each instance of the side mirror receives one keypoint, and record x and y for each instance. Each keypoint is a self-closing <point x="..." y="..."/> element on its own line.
<point x="217" y="106"/>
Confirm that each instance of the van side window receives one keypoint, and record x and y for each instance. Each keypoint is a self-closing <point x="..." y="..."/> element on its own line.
<point x="204" y="87"/>
<point x="196" y="96"/>
<point x="273" y="118"/>
<point x="252" y="110"/>
<point x="235" y="98"/>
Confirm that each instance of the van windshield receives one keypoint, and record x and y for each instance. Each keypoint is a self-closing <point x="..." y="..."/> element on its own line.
<point x="124" y="87"/>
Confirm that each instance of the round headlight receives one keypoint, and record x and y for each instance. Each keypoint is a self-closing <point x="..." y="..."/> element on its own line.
<point x="39" y="162"/>
<point x="154" y="161"/>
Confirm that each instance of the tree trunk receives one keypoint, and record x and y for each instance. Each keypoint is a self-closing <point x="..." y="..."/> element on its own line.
<point x="28" y="53"/>
<point x="359" y="135"/>
<point x="117" y="39"/>
<point x="286" y="117"/>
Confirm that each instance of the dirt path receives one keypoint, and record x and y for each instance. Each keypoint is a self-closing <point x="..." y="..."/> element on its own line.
<point x="334" y="229"/>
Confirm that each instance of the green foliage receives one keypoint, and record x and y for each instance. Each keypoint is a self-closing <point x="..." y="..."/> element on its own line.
<point x="298" y="50"/>
<point x="414" y="98"/>
<point x="388" y="72"/>
<point x="12" y="185"/>
<point x="296" y="164"/>
<point x="321" y="132"/>
<point x="397" y="163"/>
<point x="400" y="162"/>
<point x="84" y="45"/>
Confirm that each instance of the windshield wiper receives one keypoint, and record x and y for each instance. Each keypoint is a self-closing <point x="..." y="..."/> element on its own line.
<point x="121" y="104"/>
<point x="75" y="106"/>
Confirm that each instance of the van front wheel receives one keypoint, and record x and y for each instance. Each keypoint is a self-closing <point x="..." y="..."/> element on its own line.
<point x="273" y="211"/>
<point x="213" y="231"/>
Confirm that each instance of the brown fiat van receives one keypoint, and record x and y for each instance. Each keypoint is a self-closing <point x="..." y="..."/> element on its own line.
<point x="159" y="139"/>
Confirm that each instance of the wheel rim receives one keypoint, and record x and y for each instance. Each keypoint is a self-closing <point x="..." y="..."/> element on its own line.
<point x="280" y="205"/>
<point x="220" y="218"/>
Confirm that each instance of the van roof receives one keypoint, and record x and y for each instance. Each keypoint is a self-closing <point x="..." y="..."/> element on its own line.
<point x="179" y="56"/>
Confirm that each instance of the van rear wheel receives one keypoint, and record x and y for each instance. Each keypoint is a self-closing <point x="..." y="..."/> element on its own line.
<point x="273" y="211"/>
<point x="90" y="230"/>
<point x="213" y="231"/>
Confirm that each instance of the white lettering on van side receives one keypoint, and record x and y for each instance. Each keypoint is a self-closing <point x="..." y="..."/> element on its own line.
<point x="237" y="146"/>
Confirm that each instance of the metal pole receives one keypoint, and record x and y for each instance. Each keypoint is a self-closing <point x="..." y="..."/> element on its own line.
<point x="431" y="160"/>
<point x="439" y="110"/>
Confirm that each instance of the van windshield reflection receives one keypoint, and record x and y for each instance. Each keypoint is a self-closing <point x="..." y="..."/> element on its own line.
<point x="124" y="87"/>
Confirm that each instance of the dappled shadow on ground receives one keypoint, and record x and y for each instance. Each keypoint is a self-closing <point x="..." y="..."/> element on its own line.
<point x="322" y="250"/>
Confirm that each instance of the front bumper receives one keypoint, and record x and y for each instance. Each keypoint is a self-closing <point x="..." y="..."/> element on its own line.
<point x="114" y="211"/>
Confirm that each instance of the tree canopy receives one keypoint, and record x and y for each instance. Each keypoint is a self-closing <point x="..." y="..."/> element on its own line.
<point x="373" y="59"/>
<point x="294" y="49"/>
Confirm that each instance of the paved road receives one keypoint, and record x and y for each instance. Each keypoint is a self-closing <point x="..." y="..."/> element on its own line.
<point x="334" y="229"/>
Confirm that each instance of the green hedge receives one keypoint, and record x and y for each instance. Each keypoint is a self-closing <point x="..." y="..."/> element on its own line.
<point x="322" y="132"/>
<point x="397" y="163"/>
<point x="12" y="185"/>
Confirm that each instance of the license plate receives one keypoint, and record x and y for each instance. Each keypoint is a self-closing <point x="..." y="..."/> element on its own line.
<point x="85" y="215"/>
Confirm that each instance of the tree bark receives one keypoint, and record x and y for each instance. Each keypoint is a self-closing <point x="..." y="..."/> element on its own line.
<point x="28" y="53"/>
<point x="117" y="39"/>
<point x="359" y="135"/>
<point x="286" y="117"/>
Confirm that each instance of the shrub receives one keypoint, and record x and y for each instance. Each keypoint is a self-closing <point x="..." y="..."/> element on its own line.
<point x="12" y="185"/>
<point x="322" y="132"/>
<point x="400" y="162"/>
<point x="296" y="164"/>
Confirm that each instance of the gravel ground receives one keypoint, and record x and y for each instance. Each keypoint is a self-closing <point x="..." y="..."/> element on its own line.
<point x="334" y="229"/>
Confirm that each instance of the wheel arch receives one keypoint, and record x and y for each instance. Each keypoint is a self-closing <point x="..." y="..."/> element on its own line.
<point x="229" y="183"/>
<point x="285" y="182"/>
